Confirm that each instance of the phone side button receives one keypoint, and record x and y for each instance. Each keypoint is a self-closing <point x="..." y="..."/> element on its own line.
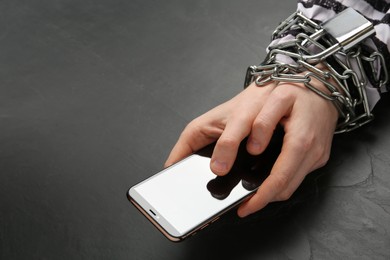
<point x="214" y="220"/>
<point x="204" y="226"/>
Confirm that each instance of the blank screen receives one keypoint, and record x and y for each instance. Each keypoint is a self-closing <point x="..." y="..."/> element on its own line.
<point x="189" y="193"/>
<point x="180" y="194"/>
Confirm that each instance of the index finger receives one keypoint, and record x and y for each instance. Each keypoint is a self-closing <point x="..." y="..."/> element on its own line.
<point x="193" y="138"/>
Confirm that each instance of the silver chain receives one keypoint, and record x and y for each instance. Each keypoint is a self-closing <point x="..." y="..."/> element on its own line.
<point x="312" y="46"/>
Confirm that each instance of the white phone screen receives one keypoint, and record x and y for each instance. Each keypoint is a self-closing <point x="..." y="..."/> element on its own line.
<point x="188" y="193"/>
<point x="180" y="194"/>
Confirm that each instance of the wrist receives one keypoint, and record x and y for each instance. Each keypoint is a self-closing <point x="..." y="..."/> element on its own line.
<point x="327" y="59"/>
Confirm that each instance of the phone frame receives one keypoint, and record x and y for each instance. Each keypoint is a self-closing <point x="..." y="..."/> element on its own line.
<point x="164" y="226"/>
<point x="270" y="154"/>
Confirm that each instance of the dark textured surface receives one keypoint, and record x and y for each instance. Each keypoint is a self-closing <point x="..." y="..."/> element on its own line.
<point x="93" y="95"/>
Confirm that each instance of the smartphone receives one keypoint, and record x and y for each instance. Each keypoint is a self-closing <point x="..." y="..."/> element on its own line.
<point x="187" y="196"/>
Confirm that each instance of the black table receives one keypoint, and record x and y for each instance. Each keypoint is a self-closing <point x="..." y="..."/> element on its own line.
<point x="93" y="95"/>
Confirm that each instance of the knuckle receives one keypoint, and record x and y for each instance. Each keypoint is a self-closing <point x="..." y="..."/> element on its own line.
<point x="261" y="122"/>
<point x="263" y="125"/>
<point x="282" y="182"/>
<point x="228" y="142"/>
<point x="323" y="157"/>
<point x="304" y="143"/>
<point x="193" y="124"/>
<point x="285" y="195"/>
<point x="322" y="163"/>
<point x="318" y="152"/>
<point x="192" y="127"/>
<point x="307" y="142"/>
<point x="199" y="127"/>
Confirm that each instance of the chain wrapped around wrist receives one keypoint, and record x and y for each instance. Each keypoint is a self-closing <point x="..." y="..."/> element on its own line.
<point x="331" y="53"/>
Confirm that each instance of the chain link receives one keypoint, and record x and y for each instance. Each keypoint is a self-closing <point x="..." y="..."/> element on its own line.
<point x="343" y="74"/>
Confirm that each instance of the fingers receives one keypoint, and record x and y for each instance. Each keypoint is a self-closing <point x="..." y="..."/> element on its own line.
<point x="198" y="134"/>
<point x="288" y="172"/>
<point x="277" y="106"/>
<point x="245" y="108"/>
<point x="289" y="169"/>
<point x="225" y="151"/>
<point x="228" y="123"/>
<point x="306" y="144"/>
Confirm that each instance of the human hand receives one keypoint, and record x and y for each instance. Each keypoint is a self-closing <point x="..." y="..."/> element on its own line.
<point x="309" y="122"/>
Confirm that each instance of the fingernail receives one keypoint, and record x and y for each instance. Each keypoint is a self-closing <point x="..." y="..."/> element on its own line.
<point x="219" y="166"/>
<point x="255" y="145"/>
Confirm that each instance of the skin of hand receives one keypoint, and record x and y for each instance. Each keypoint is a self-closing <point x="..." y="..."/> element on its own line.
<point x="308" y="120"/>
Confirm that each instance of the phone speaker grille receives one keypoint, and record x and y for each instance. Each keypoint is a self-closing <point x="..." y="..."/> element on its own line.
<point x="154" y="214"/>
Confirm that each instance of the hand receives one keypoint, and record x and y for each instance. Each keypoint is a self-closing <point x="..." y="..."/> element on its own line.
<point x="309" y="122"/>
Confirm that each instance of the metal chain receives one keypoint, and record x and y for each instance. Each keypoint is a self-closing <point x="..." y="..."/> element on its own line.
<point x="343" y="75"/>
